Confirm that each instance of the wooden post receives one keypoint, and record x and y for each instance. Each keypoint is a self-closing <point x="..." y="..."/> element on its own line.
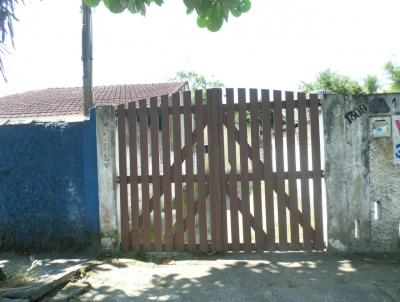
<point x="87" y="60"/>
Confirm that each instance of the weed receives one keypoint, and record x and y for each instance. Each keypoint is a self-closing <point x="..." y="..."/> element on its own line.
<point x="340" y="280"/>
<point x="291" y="284"/>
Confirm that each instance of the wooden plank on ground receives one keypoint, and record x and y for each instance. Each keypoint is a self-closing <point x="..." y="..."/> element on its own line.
<point x="244" y="169"/>
<point x="135" y="239"/>
<point x="144" y="161"/>
<point x="291" y="160"/>
<point x="269" y="186"/>
<point x="280" y="181"/>
<point x="316" y="163"/>
<point x="199" y="119"/>
<point x="123" y="186"/>
<point x="190" y="218"/>
<point x="165" y="128"/>
<point x="155" y="171"/>
<point x="305" y="188"/>
<point x="256" y="169"/>
<point x="177" y="173"/>
<point x="233" y="172"/>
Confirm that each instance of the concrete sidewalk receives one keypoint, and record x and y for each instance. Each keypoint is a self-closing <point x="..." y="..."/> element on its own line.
<point x="249" y="277"/>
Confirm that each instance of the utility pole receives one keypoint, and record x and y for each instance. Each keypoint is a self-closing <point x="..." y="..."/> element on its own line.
<point x="87" y="58"/>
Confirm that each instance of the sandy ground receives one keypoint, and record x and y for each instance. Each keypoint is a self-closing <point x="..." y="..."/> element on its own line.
<point x="248" y="277"/>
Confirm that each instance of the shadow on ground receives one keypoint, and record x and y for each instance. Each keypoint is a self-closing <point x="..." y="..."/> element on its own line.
<point x="249" y="277"/>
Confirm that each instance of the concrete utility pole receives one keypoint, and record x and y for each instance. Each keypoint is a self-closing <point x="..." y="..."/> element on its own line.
<point x="87" y="58"/>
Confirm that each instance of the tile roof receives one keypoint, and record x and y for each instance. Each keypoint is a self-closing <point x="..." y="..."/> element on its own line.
<point x="69" y="101"/>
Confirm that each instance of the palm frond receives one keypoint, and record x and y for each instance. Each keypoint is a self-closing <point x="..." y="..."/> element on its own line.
<point x="7" y="18"/>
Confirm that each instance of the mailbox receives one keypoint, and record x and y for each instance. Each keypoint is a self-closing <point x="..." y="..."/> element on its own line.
<point x="380" y="126"/>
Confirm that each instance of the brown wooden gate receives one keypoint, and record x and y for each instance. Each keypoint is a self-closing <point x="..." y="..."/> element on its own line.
<point x="206" y="171"/>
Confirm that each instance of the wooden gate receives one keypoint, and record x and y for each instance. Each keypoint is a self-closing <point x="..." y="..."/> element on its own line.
<point x="206" y="171"/>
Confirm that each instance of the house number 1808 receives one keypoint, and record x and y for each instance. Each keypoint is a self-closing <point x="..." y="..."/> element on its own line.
<point x="351" y="116"/>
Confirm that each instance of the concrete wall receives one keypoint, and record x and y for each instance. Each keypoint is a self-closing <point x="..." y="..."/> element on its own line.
<point x="362" y="181"/>
<point x="48" y="186"/>
<point x="106" y="124"/>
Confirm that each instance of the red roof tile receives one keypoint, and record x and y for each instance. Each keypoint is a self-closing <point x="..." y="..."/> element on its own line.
<point x="68" y="101"/>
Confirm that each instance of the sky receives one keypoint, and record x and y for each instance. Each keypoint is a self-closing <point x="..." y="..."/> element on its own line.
<point x="276" y="45"/>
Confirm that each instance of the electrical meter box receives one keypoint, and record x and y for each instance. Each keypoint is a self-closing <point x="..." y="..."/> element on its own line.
<point x="380" y="126"/>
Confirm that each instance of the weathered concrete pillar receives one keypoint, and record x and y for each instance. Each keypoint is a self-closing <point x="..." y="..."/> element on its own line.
<point x="107" y="178"/>
<point x="360" y="174"/>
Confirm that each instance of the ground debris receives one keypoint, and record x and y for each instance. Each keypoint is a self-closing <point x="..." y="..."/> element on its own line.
<point x="71" y="290"/>
<point x="167" y="261"/>
<point x="41" y="289"/>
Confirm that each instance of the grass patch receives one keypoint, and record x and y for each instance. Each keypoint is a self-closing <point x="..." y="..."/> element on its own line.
<point x="291" y="284"/>
<point x="340" y="280"/>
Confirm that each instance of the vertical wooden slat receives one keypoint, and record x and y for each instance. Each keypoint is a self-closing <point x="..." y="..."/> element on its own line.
<point x="133" y="176"/>
<point x="199" y="119"/>
<point x="190" y="218"/>
<point x="144" y="173"/>
<point x="244" y="171"/>
<point x="305" y="190"/>
<point x="211" y="166"/>
<point x="316" y="162"/>
<point x="177" y="173"/>
<point x="280" y="180"/>
<point x="165" y="128"/>
<point x="233" y="172"/>
<point x="256" y="169"/>
<point x="155" y="171"/>
<point x="123" y="187"/>
<point x="291" y="156"/>
<point x="267" y="143"/>
<point x="221" y="157"/>
<point x="214" y="168"/>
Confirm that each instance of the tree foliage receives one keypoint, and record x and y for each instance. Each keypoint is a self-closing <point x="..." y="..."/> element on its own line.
<point x="197" y="81"/>
<point x="332" y="82"/>
<point x="371" y="84"/>
<point x="211" y="14"/>
<point x="393" y="72"/>
<point x="7" y="16"/>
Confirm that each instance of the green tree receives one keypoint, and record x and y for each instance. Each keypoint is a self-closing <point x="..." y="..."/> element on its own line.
<point x="333" y="82"/>
<point x="393" y="72"/>
<point x="197" y="81"/>
<point x="371" y="84"/>
<point x="7" y="17"/>
<point x="211" y="14"/>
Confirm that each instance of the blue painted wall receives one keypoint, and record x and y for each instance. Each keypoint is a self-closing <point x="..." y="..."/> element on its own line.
<point x="48" y="186"/>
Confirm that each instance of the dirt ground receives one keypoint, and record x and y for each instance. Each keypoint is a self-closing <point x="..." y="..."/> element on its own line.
<point x="247" y="277"/>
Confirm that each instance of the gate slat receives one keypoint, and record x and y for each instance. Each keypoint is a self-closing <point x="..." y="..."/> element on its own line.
<point x="291" y="156"/>
<point x="123" y="186"/>
<point x="280" y="181"/>
<point x="199" y="119"/>
<point x="165" y="128"/>
<point x="221" y="151"/>
<point x="214" y="168"/>
<point x="155" y="171"/>
<point x="255" y="147"/>
<point x="267" y="143"/>
<point x="190" y="218"/>
<point x="144" y="155"/>
<point x="305" y="189"/>
<point x="244" y="170"/>
<point x="133" y="176"/>
<point x="316" y="163"/>
<point x="233" y="172"/>
<point x="179" y="234"/>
